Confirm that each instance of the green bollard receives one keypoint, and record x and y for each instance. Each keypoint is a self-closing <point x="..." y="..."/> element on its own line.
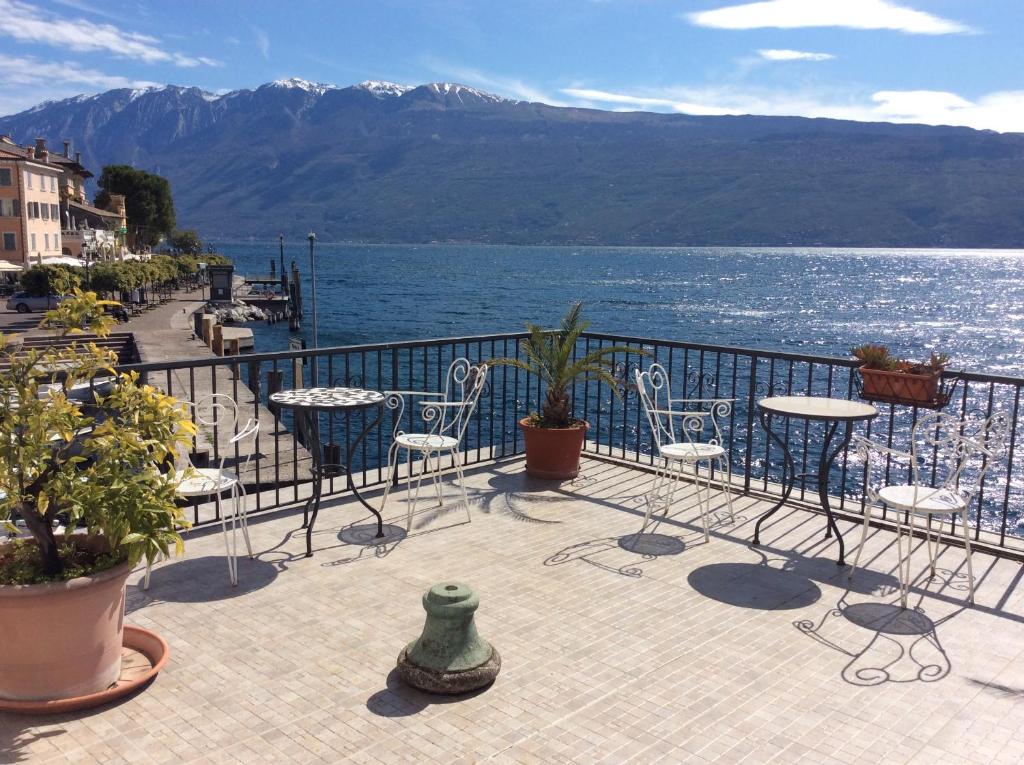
<point x="449" y="656"/>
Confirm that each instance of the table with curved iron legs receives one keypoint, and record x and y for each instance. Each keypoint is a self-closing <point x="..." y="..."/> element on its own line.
<point x="308" y="404"/>
<point x="833" y="412"/>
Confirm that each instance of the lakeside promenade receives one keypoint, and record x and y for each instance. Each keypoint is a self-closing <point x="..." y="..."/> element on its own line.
<point x="165" y="334"/>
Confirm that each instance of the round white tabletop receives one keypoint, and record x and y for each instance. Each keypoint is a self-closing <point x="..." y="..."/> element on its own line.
<point x="328" y="398"/>
<point x="818" y="408"/>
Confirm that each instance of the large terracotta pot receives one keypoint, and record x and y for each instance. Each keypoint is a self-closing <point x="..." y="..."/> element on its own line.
<point x="553" y="453"/>
<point x="62" y="639"/>
<point x="900" y="386"/>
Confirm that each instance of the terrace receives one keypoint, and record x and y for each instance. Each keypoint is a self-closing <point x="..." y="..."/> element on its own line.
<point x="616" y="647"/>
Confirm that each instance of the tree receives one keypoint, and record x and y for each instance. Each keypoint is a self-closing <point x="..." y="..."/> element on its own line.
<point x="148" y="202"/>
<point x="187" y="241"/>
<point x="40" y="281"/>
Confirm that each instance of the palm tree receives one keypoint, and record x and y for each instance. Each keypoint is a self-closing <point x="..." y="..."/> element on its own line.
<point x="549" y="355"/>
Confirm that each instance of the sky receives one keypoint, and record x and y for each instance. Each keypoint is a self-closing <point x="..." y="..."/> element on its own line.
<point x="952" y="62"/>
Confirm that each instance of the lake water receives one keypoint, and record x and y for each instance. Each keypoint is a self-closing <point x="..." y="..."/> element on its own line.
<point x="968" y="303"/>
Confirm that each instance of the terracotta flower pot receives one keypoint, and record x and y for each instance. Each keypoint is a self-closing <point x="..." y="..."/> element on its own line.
<point x="900" y="386"/>
<point x="62" y="639"/>
<point x="553" y="453"/>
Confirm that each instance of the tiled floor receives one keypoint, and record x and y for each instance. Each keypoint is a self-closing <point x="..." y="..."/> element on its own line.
<point x="662" y="649"/>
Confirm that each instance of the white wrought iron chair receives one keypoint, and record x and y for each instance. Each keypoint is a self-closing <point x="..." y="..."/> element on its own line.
<point x="219" y="411"/>
<point x="684" y="444"/>
<point x="446" y="414"/>
<point x="948" y="460"/>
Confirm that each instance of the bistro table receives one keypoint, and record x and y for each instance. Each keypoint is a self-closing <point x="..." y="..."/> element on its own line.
<point x="308" y="404"/>
<point x="831" y="411"/>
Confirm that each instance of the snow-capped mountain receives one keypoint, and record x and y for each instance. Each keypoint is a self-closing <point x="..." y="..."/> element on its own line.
<point x="383" y="88"/>
<point x="382" y="161"/>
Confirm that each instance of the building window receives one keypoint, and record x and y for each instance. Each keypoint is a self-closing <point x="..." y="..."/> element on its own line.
<point x="10" y="243"/>
<point x="5" y="176"/>
<point x="46" y="242"/>
<point x="46" y="211"/>
<point x="28" y="178"/>
<point x="33" y="240"/>
<point x="53" y="183"/>
<point x="54" y="212"/>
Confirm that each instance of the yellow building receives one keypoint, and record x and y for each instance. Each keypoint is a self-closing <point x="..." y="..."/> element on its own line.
<point x="30" y="225"/>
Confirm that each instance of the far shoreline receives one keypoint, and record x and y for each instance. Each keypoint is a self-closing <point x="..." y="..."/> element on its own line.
<point x="799" y="249"/>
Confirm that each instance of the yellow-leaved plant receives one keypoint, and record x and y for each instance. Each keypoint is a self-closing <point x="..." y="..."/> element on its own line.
<point x="97" y="464"/>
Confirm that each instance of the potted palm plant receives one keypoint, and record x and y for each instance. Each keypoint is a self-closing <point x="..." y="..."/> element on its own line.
<point x="93" y="464"/>
<point x="553" y="436"/>
<point x="887" y="378"/>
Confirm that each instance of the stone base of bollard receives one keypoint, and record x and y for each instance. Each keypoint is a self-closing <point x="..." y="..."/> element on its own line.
<point x="449" y="683"/>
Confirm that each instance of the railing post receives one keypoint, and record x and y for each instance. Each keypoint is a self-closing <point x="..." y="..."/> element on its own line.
<point x="749" y="448"/>
<point x="275" y="382"/>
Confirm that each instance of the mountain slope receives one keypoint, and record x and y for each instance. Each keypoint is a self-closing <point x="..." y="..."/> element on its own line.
<point x="443" y="162"/>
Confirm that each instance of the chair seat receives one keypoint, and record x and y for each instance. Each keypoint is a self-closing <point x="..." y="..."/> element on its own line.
<point x="683" y="451"/>
<point x="929" y="499"/>
<point x="199" y="482"/>
<point x="426" y="441"/>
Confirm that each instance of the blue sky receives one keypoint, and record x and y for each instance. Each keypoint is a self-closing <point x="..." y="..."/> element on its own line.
<point x="934" y="61"/>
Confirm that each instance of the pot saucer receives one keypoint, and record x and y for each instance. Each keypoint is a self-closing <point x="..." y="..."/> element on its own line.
<point x="143" y="655"/>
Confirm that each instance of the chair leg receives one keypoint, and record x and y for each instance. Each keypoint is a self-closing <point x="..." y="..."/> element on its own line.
<point x="970" y="554"/>
<point x="391" y="472"/>
<point x="723" y="465"/>
<point x="705" y="506"/>
<point x="905" y="584"/>
<point x="654" y="492"/>
<point x="232" y="573"/>
<point x="243" y="516"/>
<point x="933" y="552"/>
<point x="436" y="473"/>
<point x="457" y="459"/>
<point x="863" y="538"/>
<point x="419" y="482"/>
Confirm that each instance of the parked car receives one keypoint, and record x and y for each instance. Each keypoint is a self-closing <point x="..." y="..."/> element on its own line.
<point x="22" y="302"/>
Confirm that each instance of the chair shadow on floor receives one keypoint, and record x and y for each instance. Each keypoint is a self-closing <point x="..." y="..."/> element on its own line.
<point x="199" y="580"/>
<point x="619" y="554"/>
<point x="401" y="700"/>
<point x="884" y="642"/>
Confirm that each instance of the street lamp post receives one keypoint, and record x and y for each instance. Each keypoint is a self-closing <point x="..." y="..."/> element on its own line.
<point x="280" y="241"/>
<point x="312" y="287"/>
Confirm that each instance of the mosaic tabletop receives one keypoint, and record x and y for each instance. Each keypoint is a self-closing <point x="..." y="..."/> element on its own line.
<point x="328" y="398"/>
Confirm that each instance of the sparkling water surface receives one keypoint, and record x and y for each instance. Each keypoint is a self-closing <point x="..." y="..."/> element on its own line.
<point x="967" y="303"/>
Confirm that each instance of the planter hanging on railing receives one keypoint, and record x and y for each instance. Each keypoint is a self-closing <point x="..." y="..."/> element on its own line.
<point x="884" y="378"/>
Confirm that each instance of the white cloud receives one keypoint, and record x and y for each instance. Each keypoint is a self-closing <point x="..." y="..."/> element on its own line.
<point x="853" y="14"/>
<point x="23" y="23"/>
<point x="19" y="71"/>
<point x="783" y="54"/>
<point x="1002" y="111"/>
<point x="26" y="81"/>
<point x="262" y="42"/>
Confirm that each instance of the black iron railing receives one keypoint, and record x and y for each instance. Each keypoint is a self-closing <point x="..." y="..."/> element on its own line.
<point x="618" y="428"/>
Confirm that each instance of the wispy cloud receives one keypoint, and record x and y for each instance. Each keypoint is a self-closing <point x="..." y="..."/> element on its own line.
<point x="853" y="14"/>
<point x="784" y="54"/>
<point x="1002" y="111"/>
<point x="26" y="80"/>
<point x="80" y="5"/>
<point x="262" y="42"/>
<point x="25" y="23"/>
<point x="510" y="87"/>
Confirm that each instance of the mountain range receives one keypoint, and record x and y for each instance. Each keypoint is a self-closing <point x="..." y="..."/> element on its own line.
<point x="382" y="162"/>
